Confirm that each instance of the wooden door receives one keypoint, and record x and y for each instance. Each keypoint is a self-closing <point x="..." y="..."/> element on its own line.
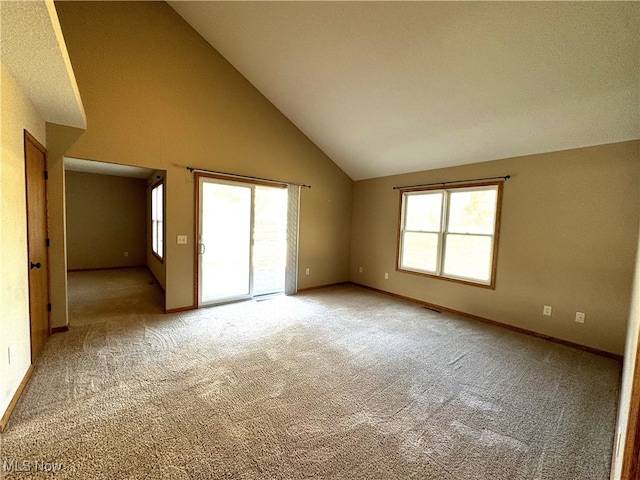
<point x="37" y="238"/>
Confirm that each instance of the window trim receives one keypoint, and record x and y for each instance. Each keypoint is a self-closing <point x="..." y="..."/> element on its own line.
<point x="159" y="256"/>
<point x="442" y="244"/>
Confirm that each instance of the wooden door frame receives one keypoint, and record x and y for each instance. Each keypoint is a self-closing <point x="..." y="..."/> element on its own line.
<point x="28" y="138"/>
<point x="631" y="454"/>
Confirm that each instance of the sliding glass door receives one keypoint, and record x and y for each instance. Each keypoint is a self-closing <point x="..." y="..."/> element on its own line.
<point x="242" y="240"/>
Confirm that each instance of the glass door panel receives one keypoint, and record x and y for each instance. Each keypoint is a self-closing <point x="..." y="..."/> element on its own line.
<point x="225" y="242"/>
<point x="269" y="240"/>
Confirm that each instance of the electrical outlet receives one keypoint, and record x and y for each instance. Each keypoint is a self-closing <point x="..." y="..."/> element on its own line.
<point x="360" y="269"/>
<point x="386" y="276"/>
<point x="307" y="271"/>
<point x="182" y="239"/>
<point x="580" y="317"/>
<point x="126" y="254"/>
<point x="547" y="310"/>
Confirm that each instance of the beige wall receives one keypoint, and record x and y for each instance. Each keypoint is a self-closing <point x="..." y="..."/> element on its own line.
<point x="568" y="239"/>
<point x="157" y="95"/>
<point x="59" y="138"/>
<point x="17" y="114"/>
<point x="106" y="217"/>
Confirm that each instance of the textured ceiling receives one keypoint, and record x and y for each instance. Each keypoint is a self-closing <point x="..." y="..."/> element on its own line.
<point x="33" y="50"/>
<point x="394" y="87"/>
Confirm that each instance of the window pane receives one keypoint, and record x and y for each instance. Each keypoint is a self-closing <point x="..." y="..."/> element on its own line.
<point x="160" y="239"/>
<point x="156" y="219"/>
<point x="159" y="211"/>
<point x="154" y="234"/>
<point x="420" y="251"/>
<point x="154" y="204"/>
<point x="468" y="256"/>
<point x="472" y="211"/>
<point x="423" y="212"/>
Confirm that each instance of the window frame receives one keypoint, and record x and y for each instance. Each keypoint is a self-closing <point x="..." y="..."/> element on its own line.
<point x="152" y="188"/>
<point x="443" y="232"/>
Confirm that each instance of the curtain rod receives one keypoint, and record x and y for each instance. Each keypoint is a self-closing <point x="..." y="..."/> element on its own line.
<point x="246" y="177"/>
<point x="506" y="177"/>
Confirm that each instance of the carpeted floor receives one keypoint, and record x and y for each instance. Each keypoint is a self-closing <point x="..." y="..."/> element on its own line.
<point x="338" y="383"/>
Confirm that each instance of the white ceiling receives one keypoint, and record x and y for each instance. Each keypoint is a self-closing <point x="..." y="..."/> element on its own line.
<point x="393" y="87"/>
<point x="103" y="168"/>
<point x="33" y="50"/>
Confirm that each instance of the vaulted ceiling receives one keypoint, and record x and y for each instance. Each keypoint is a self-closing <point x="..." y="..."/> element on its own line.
<point x="393" y="87"/>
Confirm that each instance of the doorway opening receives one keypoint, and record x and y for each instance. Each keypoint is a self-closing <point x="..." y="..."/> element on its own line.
<point x="242" y="240"/>
<point x="114" y="255"/>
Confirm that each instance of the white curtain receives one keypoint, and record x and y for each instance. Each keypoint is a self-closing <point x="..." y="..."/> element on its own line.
<point x="293" y="210"/>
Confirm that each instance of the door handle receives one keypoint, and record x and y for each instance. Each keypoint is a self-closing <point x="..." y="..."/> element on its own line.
<point x="35" y="265"/>
<point x="202" y="249"/>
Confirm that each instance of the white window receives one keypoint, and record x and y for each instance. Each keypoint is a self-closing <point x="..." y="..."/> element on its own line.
<point x="157" y="220"/>
<point x="451" y="232"/>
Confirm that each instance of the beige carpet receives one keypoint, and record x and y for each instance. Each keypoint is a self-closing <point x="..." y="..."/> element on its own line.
<point x="339" y="383"/>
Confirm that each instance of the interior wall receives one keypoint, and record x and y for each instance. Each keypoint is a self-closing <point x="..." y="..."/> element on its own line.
<point x="106" y="221"/>
<point x="157" y="95"/>
<point x="59" y="138"/>
<point x="16" y="115"/>
<point x="568" y="239"/>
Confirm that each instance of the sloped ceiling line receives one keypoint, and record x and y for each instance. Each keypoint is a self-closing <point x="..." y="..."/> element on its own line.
<point x="394" y="87"/>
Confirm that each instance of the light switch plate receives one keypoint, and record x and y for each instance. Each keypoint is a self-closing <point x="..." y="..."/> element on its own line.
<point x="182" y="239"/>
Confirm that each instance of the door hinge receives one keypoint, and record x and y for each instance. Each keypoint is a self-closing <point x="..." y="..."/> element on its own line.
<point x="48" y="307"/>
<point x="48" y="242"/>
<point x="46" y="175"/>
